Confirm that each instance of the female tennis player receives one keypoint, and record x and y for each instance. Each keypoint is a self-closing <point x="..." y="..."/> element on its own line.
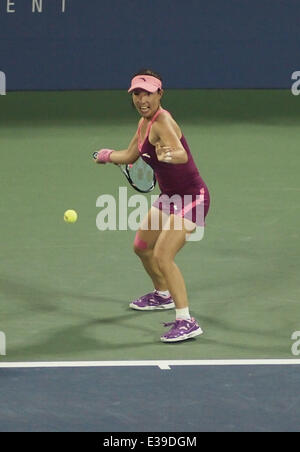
<point x="175" y="214"/>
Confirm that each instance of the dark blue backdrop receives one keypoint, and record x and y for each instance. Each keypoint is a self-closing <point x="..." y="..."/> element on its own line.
<point x="98" y="44"/>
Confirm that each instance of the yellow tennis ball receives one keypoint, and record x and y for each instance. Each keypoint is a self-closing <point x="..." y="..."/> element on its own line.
<point x="70" y="216"/>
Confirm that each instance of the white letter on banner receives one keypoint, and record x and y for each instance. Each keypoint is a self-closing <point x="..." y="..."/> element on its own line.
<point x="9" y="5"/>
<point x="37" y="5"/>
<point x="296" y="85"/>
<point x="2" y="84"/>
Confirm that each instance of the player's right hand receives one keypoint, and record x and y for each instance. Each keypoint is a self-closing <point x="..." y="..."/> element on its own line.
<point x="103" y="156"/>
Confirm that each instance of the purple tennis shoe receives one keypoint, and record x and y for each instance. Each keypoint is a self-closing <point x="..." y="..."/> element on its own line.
<point x="181" y="330"/>
<point x="152" y="302"/>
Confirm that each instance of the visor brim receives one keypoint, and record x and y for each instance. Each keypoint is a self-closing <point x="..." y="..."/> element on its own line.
<point x="144" y="86"/>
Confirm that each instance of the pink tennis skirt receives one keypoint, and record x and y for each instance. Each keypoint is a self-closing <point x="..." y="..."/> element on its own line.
<point x="191" y="207"/>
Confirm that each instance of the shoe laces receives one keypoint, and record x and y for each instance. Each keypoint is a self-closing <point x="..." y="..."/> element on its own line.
<point x="174" y="324"/>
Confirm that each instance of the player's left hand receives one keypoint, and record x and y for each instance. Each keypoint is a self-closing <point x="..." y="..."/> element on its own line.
<point x="164" y="153"/>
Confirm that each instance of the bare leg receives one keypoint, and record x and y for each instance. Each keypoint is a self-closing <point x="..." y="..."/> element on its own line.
<point x="144" y="247"/>
<point x="169" y="242"/>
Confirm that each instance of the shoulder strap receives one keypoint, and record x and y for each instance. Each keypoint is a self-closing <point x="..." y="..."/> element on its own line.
<point x="161" y="110"/>
<point x="139" y="133"/>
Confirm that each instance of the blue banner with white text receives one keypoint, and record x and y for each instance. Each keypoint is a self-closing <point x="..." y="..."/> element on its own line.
<point x="100" y="44"/>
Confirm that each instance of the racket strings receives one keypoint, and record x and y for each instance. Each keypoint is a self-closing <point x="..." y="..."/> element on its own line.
<point x="142" y="175"/>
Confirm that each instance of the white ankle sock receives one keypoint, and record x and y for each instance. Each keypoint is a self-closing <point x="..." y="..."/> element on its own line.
<point x="183" y="314"/>
<point x="163" y="293"/>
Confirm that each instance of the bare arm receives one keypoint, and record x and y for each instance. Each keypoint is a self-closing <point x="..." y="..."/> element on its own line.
<point x="126" y="156"/>
<point x="168" y="147"/>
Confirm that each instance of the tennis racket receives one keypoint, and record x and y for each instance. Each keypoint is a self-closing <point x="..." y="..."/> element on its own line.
<point x="140" y="175"/>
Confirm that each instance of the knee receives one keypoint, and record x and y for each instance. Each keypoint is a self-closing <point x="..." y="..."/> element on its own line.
<point x="140" y="247"/>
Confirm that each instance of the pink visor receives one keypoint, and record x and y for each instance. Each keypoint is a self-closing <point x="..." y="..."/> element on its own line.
<point x="145" y="82"/>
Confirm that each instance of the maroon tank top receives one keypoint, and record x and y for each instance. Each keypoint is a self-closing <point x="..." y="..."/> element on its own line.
<point x="182" y="178"/>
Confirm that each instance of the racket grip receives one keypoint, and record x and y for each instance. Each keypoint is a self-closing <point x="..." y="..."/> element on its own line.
<point x="103" y="156"/>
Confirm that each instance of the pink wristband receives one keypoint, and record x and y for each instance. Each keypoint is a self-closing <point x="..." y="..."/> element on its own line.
<point x="104" y="155"/>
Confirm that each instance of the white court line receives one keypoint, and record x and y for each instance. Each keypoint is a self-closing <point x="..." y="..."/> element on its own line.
<point x="162" y="364"/>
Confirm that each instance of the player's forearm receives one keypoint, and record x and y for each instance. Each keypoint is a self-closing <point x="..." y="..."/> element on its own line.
<point x="112" y="156"/>
<point x="120" y="157"/>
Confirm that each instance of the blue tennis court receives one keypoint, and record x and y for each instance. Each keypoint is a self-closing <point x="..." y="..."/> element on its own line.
<point x="149" y="398"/>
